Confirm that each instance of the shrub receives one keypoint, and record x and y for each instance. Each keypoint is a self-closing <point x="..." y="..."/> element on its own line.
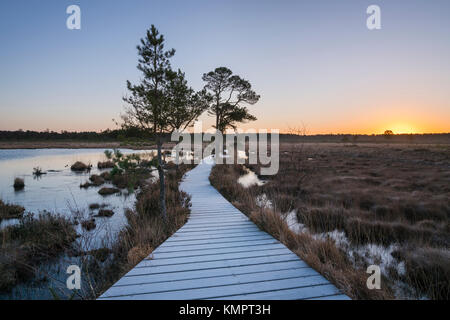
<point x="96" y="180"/>
<point x="105" y="213"/>
<point x="146" y="229"/>
<point x="10" y="211"/>
<point x="106" y="176"/>
<point x="26" y="245"/>
<point x="107" y="191"/>
<point x="79" y="166"/>
<point x="89" y="224"/>
<point x="428" y="270"/>
<point x="37" y="172"/>
<point x="105" y="165"/>
<point x="94" y="206"/>
<point x="19" y="184"/>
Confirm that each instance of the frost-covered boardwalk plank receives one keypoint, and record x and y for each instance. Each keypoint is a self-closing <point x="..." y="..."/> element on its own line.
<point x="220" y="254"/>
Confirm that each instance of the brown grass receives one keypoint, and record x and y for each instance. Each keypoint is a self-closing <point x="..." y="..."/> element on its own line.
<point x="19" y="184"/>
<point x="79" y="166"/>
<point x="10" y="211"/>
<point x="146" y="229"/>
<point x="322" y="255"/>
<point x="375" y="194"/>
<point x="27" y="245"/>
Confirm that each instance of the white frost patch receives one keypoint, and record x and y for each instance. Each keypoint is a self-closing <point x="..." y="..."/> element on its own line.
<point x="154" y="176"/>
<point x="379" y="255"/>
<point x="263" y="201"/>
<point x="338" y="237"/>
<point x="370" y="253"/>
<point x="401" y="269"/>
<point x="249" y="179"/>
<point x="291" y="220"/>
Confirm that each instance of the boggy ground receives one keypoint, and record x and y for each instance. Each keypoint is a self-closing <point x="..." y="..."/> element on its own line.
<point x="354" y="205"/>
<point x="145" y="231"/>
<point x="32" y="242"/>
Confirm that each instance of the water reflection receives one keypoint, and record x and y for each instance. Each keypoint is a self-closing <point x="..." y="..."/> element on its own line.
<point x="58" y="191"/>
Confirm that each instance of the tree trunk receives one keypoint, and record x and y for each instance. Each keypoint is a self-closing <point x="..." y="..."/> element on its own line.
<point x="162" y="187"/>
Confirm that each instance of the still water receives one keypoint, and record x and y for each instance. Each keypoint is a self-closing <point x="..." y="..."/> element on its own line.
<point x="58" y="191"/>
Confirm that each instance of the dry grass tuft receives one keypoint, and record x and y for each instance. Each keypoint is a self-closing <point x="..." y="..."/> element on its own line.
<point x="19" y="184"/>
<point x="30" y="243"/>
<point x="10" y="211"/>
<point x="146" y="229"/>
<point x="374" y="194"/>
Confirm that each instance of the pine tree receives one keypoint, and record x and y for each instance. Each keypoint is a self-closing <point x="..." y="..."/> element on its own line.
<point x="229" y="94"/>
<point x="162" y="102"/>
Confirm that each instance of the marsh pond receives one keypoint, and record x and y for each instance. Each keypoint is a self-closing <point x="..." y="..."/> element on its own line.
<point x="52" y="188"/>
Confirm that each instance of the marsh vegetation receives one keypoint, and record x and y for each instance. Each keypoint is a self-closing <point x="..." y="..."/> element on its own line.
<point x="342" y="207"/>
<point x="54" y="223"/>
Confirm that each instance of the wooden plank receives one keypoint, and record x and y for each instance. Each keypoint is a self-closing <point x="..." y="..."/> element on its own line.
<point x="214" y="234"/>
<point x="308" y="292"/>
<point x="238" y="227"/>
<point x="212" y="264"/>
<point x="209" y="246"/>
<point x="210" y="273"/>
<point x="224" y="250"/>
<point x="235" y="227"/>
<point x="147" y="288"/>
<point x="239" y="236"/>
<point x="212" y="257"/>
<point x="212" y="225"/>
<point x="220" y="254"/>
<point x="332" y="297"/>
<point x="230" y="290"/>
<point x="212" y="241"/>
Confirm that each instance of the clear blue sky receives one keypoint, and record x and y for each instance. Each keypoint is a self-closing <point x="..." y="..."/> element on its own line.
<point x="313" y="62"/>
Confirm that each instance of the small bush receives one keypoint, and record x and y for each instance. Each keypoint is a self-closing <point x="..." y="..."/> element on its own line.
<point x="26" y="245"/>
<point x="79" y="166"/>
<point x="107" y="191"/>
<point x="105" y="213"/>
<point x="106" y="175"/>
<point x="146" y="229"/>
<point x="89" y="224"/>
<point x="10" y="211"/>
<point x="19" y="184"/>
<point x="37" y="172"/>
<point x="96" y="180"/>
<point x="428" y="269"/>
<point x="94" y="206"/>
<point x="105" y="165"/>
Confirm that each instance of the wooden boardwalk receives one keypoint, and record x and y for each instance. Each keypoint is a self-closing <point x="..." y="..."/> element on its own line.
<point x="220" y="254"/>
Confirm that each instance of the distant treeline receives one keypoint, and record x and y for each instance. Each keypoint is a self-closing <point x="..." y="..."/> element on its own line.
<point x="106" y="135"/>
<point x="354" y="138"/>
<point x="131" y="134"/>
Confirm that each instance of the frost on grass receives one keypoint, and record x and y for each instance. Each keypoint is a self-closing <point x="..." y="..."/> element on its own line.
<point x="362" y="255"/>
<point x="291" y="220"/>
<point x="250" y="179"/>
<point x="263" y="201"/>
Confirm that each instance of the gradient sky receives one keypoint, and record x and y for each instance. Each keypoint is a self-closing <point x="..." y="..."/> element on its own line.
<point x="314" y="63"/>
